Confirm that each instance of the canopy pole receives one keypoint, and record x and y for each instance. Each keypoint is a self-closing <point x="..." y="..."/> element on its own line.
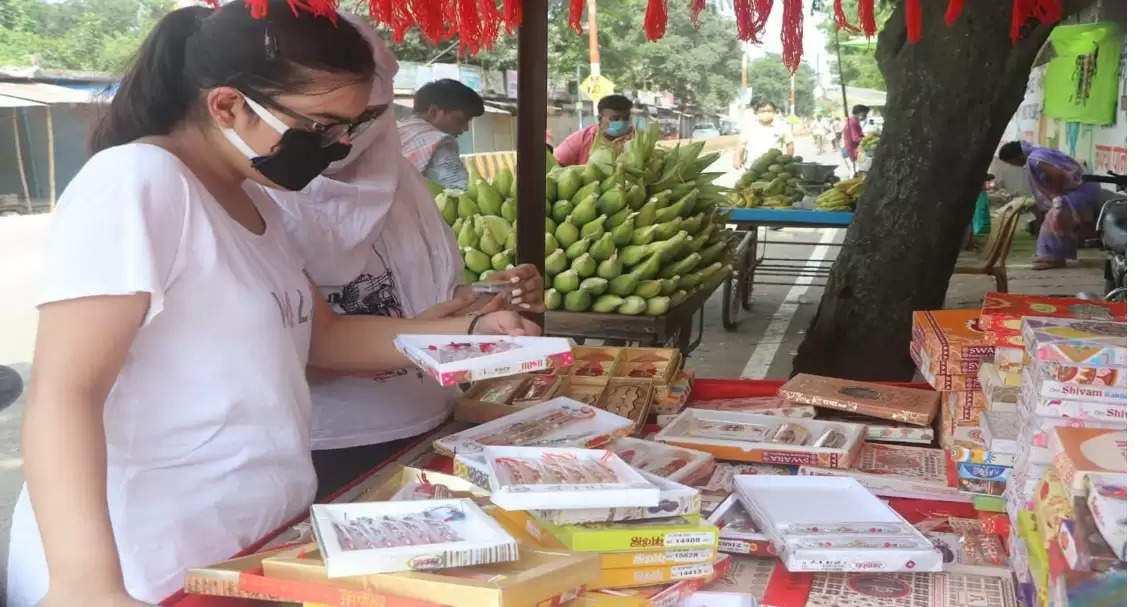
<point x="531" y="124"/>
<point x="20" y="160"/>
<point x="50" y="156"/>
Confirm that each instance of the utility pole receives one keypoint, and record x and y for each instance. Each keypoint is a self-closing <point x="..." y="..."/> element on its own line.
<point x="593" y="48"/>
<point x="842" y="85"/>
<point x="792" y="95"/>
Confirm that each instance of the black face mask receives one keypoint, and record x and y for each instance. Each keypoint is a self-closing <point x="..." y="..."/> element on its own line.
<point x="298" y="158"/>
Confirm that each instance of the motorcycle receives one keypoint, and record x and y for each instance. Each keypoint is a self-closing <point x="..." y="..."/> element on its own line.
<point x="1112" y="229"/>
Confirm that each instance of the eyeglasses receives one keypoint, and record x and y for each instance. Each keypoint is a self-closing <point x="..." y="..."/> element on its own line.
<point x="329" y="133"/>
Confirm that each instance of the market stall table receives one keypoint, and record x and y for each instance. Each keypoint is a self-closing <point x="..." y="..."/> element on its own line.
<point x="676" y="326"/>
<point x="755" y="267"/>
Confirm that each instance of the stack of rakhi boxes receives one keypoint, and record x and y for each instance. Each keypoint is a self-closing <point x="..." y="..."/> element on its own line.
<point x="1068" y="489"/>
<point x="949" y="350"/>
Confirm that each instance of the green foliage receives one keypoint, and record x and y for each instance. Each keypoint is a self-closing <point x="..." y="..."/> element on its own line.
<point x="95" y="35"/>
<point x="859" y="65"/>
<point x="770" y="81"/>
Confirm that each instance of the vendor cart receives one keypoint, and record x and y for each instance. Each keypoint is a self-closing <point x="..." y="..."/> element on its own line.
<point x="753" y="266"/>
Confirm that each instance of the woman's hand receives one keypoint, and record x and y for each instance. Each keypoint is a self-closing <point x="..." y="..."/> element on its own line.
<point x="66" y="599"/>
<point x="527" y="293"/>
<point x="504" y="323"/>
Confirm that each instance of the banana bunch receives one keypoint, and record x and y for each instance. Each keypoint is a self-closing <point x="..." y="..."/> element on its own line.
<point x="771" y="181"/>
<point x="636" y="232"/>
<point x="844" y="196"/>
<point x="870" y="142"/>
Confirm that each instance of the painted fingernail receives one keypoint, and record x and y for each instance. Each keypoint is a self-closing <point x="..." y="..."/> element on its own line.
<point x="516" y="292"/>
<point x="514" y="279"/>
<point x="526" y="306"/>
<point x="516" y="300"/>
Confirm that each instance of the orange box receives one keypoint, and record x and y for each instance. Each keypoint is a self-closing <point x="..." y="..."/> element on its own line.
<point x="952" y="341"/>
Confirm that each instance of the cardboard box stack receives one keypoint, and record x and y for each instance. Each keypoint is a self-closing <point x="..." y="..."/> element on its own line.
<point x="1067" y="490"/>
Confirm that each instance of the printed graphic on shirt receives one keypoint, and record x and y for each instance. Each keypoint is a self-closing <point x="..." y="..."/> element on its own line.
<point x="295" y="309"/>
<point x="372" y="294"/>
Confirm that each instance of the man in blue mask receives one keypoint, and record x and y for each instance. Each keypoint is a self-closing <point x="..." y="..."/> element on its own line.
<point x="614" y="129"/>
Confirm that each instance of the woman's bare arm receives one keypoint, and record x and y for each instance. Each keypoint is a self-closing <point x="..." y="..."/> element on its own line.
<point x="80" y="348"/>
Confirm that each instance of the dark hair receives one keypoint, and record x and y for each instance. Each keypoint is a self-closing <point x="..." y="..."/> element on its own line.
<point x="196" y="48"/>
<point x="1010" y="151"/>
<point x="757" y="102"/>
<point x="616" y="103"/>
<point x="860" y="109"/>
<point x="448" y="94"/>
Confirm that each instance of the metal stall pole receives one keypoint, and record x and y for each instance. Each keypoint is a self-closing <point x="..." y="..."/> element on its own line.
<point x="532" y="123"/>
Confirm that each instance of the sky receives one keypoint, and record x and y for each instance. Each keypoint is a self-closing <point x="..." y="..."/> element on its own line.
<point x="815" y="52"/>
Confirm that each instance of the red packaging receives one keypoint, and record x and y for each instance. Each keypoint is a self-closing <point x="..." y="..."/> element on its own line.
<point x="953" y="343"/>
<point x="1001" y="313"/>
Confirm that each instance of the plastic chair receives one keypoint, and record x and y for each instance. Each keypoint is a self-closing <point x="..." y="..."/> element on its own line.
<point x="997" y="248"/>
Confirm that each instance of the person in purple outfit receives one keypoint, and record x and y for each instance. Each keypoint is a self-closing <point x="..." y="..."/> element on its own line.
<point x="1066" y="205"/>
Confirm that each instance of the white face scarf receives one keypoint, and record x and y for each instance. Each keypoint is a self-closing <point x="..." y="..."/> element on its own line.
<point x="375" y="195"/>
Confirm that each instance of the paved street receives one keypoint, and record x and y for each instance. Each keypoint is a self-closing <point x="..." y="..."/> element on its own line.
<point x="763" y="346"/>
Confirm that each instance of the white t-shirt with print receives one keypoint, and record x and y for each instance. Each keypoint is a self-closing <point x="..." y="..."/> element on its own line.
<point x="760" y="138"/>
<point x="346" y="259"/>
<point x="207" y="425"/>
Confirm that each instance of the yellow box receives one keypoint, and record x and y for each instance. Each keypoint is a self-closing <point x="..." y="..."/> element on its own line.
<point x="648" y="576"/>
<point x="656" y="558"/>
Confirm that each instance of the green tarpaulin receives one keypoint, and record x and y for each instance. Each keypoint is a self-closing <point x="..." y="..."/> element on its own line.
<point x="1081" y="83"/>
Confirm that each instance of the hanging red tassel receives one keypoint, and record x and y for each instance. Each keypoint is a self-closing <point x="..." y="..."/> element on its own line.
<point x="1048" y="12"/>
<point x="696" y="7"/>
<point x="913" y="20"/>
<point x="513" y="14"/>
<point x="257" y="8"/>
<point x="655" y="22"/>
<point x="575" y="15"/>
<point x="792" y="34"/>
<point x="318" y="8"/>
<point x="841" y="21"/>
<point x="490" y="24"/>
<point x="382" y="12"/>
<point x="954" y="10"/>
<point x="746" y="27"/>
<point x="764" y="10"/>
<point x="867" y="17"/>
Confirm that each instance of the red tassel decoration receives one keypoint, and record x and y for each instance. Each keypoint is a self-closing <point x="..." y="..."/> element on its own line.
<point x="1048" y="12"/>
<point x="696" y="7"/>
<point x="867" y="17"/>
<point x="655" y="22"/>
<point x="841" y="21"/>
<point x="259" y="8"/>
<point x="954" y="10"/>
<point x="575" y="15"/>
<point x="913" y="20"/>
<point x="318" y="8"/>
<point x="746" y="28"/>
<point x="513" y="14"/>
<point x="792" y="34"/>
<point x="490" y="25"/>
<point x="764" y="10"/>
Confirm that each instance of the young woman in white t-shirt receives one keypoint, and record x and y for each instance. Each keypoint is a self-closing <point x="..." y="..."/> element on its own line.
<point x="168" y="418"/>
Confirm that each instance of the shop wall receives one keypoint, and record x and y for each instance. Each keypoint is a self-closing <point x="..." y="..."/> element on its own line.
<point x="1099" y="148"/>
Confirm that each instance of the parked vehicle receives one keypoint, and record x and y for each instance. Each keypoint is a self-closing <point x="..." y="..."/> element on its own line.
<point x="705" y="130"/>
<point x="1112" y="228"/>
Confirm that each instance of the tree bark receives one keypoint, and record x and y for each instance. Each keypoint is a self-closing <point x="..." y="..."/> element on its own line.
<point x="949" y="99"/>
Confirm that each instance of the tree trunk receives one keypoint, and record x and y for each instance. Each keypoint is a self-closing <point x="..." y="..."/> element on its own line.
<point x="949" y="99"/>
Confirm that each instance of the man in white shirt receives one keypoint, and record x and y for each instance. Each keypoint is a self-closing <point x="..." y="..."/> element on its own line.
<point x="763" y="130"/>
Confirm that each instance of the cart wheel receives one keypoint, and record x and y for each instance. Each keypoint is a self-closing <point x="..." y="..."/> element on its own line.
<point x="746" y="278"/>
<point x="730" y="304"/>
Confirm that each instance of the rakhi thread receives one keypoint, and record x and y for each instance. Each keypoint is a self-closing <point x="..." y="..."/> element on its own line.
<point x="746" y="24"/>
<point x="867" y="17"/>
<point x="792" y="34"/>
<point x="319" y="8"/>
<point x="696" y="7"/>
<point x="654" y="23"/>
<point x="954" y="10"/>
<point x="1048" y="12"/>
<point x="913" y="20"/>
<point x="841" y="21"/>
<point x="575" y="15"/>
<point x="513" y="13"/>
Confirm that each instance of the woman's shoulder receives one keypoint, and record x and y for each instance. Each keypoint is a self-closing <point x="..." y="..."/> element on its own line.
<point x="132" y="174"/>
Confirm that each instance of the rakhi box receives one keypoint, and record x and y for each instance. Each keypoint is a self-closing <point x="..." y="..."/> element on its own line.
<point x="660" y="595"/>
<point x="1109" y="377"/>
<point x="1085" y="343"/>
<point x="656" y="558"/>
<point x="765" y="438"/>
<point x="740" y="534"/>
<point x="1009" y="360"/>
<point x="1077" y="412"/>
<point x="901" y="471"/>
<point x="674" y="500"/>
<point x="669" y="399"/>
<point x="833" y="524"/>
<point x="243" y="578"/>
<point x="506" y="355"/>
<point x="720" y="483"/>
<point x="493" y="399"/>
<point x="363" y="538"/>
<point x="1043" y="386"/>
<point x="910" y="590"/>
<point x="998" y="393"/>
<point x="650" y="575"/>
<point x="942" y="382"/>
<point x="1083" y="547"/>
<point x="906" y="405"/>
<point x="982" y="478"/>
<point x="686" y="532"/>
<point x="1001" y="429"/>
<point x="952" y="340"/>
<point x="539" y="577"/>
<point x="1082" y="451"/>
<point x="1002" y="312"/>
<point x="560" y="422"/>
<point x="966" y="406"/>
<point x="963" y="451"/>
<point x="531" y="478"/>
<point x="674" y="463"/>
<point x="1107" y="501"/>
<point x="882" y="430"/>
<point x="768" y="405"/>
